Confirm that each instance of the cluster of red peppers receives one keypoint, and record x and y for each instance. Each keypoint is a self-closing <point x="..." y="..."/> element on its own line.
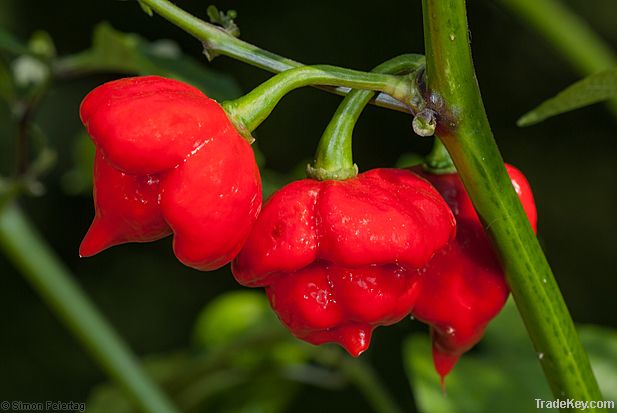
<point x="337" y="258"/>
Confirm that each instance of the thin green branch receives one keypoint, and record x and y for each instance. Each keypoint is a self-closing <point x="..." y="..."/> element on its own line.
<point x="31" y="255"/>
<point x="333" y="159"/>
<point x="569" y="34"/>
<point x="217" y="41"/>
<point x="464" y="129"/>
<point x="250" y="110"/>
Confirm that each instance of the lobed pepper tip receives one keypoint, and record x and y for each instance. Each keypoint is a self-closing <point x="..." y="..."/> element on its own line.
<point x="444" y="362"/>
<point x="98" y="238"/>
<point x="355" y="340"/>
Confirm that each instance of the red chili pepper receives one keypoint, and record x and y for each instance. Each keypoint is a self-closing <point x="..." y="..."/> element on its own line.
<point x="339" y="258"/>
<point x="126" y="209"/>
<point x="463" y="286"/>
<point x="168" y="157"/>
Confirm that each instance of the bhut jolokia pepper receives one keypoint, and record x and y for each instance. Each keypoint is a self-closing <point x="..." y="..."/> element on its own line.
<point x="339" y="258"/>
<point x="463" y="287"/>
<point x="339" y="254"/>
<point x="169" y="160"/>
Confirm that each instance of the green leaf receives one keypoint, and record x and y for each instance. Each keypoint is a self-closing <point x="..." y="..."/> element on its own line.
<point x="592" y="89"/>
<point x="503" y="373"/>
<point x="114" y="51"/>
<point x="230" y="315"/>
<point x="147" y="9"/>
<point x="225" y="20"/>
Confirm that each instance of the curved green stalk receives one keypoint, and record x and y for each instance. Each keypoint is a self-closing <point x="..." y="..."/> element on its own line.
<point x="253" y="108"/>
<point x="569" y="34"/>
<point x="438" y="161"/>
<point x="334" y="159"/>
<point x="30" y="254"/>
<point x="465" y="131"/>
<point x="217" y="41"/>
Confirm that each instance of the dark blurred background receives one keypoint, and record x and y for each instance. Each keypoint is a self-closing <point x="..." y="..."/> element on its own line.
<point x="570" y="161"/>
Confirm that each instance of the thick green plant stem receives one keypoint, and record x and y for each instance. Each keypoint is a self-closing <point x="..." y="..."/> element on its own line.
<point x="217" y="41"/>
<point x="250" y="110"/>
<point x="569" y="34"/>
<point x="334" y="159"/>
<point x="464" y="129"/>
<point x="31" y="255"/>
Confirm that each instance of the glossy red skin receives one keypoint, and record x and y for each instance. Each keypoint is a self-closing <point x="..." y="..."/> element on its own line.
<point x="328" y="303"/>
<point x="149" y="124"/>
<point x="463" y="286"/>
<point x="200" y="176"/>
<point x="338" y="258"/>
<point x="212" y="200"/>
<point x="126" y="209"/>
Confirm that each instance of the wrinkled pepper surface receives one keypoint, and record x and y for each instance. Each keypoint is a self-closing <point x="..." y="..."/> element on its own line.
<point x="463" y="285"/>
<point x="169" y="161"/>
<point x="339" y="258"/>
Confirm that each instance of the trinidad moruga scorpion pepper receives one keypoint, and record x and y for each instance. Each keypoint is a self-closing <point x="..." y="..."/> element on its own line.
<point x="463" y="286"/>
<point x="339" y="258"/>
<point x="169" y="160"/>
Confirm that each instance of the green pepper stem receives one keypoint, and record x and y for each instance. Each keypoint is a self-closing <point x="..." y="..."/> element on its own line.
<point x="438" y="161"/>
<point x="465" y="131"/>
<point x="39" y="265"/>
<point x="248" y="111"/>
<point x="217" y="41"/>
<point x="333" y="159"/>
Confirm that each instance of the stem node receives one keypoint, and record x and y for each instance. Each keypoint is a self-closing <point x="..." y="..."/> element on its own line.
<point x="425" y="122"/>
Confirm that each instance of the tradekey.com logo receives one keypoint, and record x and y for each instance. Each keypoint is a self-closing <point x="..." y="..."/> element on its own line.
<point x="574" y="404"/>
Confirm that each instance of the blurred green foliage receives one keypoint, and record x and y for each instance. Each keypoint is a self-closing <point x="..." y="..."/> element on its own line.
<point x="154" y="301"/>
<point x="594" y="88"/>
<point x="503" y="374"/>
<point x="117" y="52"/>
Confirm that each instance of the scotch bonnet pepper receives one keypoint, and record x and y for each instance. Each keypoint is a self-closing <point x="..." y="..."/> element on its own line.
<point x="339" y="258"/>
<point x="169" y="160"/>
<point x="463" y="287"/>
